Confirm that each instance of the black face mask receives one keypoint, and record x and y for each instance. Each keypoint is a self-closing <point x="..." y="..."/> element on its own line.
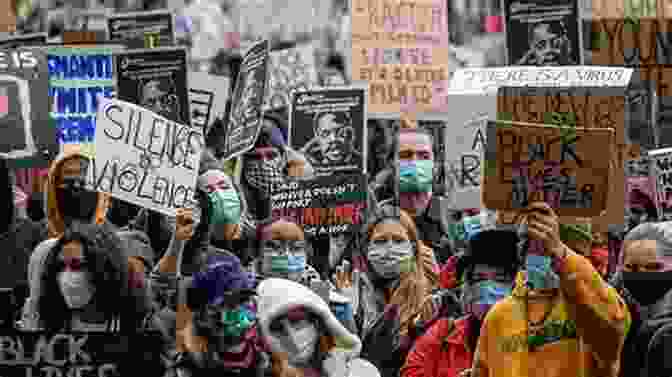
<point x="76" y="203"/>
<point x="647" y="287"/>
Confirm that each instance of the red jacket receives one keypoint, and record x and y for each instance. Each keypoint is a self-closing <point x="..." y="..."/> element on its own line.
<point x="441" y="351"/>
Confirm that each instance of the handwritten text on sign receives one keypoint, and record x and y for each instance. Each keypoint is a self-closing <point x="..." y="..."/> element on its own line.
<point x="560" y="165"/>
<point x="325" y="205"/>
<point x="146" y="159"/>
<point x="401" y="49"/>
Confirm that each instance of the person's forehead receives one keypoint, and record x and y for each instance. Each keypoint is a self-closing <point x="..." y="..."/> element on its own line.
<point x="72" y="250"/>
<point x="73" y="166"/>
<point x="282" y="231"/>
<point x="389" y="227"/>
<point x="640" y="249"/>
<point x="415" y="139"/>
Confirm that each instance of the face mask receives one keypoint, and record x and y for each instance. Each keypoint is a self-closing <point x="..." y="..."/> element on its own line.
<point x="264" y="174"/>
<point x="236" y="322"/>
<point x="286" y="263"/>
<point x="225" y="206"/>
<point x="300" y="343"/>
<point x="76" y="288"/>
<point x="647" y="287"/>
<point x="77" y="203"/>
<point x="391" y="259"/>
<point x="478" y="298"/>
<point x="540" y="274"/>
<point x="415" y="175"/>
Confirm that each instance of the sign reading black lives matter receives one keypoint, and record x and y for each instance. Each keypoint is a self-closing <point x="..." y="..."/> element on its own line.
<point x="38" y="354"/>
<point x="248" y="96"/>
<point x="24" y="40"/>
<point x="146" y="159"/>
<point x="155" y="79"/>
<point x="142" y="29"/>
<point x="325" y="205"/>
<point x="542" y="32"/>
<point x="24" y="108"/>
<point x="328" y="125"/>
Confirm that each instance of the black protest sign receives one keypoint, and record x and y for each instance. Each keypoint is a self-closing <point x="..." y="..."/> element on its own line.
<point x="542" y="32"/>
<point x="142" y="29"/>
<point x="24" y="40"/>
<point x="248" y="96"/>
<point x="28" y="139"/>
<point x="326" y="205"/>
<point x="92" y="354"/>
<point x="329" y="127"/>
<point x="155" y="79"/>
<point x="438" y="131"/>
<point x="559" y="165"/>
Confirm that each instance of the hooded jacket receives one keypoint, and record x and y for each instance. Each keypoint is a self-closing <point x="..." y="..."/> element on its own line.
<point x="276" y="297"/>
<point x="585" y="324"/>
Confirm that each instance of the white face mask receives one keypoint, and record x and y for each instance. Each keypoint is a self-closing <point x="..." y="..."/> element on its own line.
<point x="390" y="259"/>
<point x="299" y="340"/>
<point x="76" y="288"/>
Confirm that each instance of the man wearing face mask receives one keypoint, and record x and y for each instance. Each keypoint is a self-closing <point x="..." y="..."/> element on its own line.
<point x="488" y="270"/>
<point x="572" y="320"/>
<point x="221" y="336"/>
<point x="644" y="279"/>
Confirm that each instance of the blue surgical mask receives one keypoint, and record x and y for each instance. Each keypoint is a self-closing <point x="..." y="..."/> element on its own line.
<point x="225" y="207"/>
<point x="540" y="274"/>
<point x="286" y="263"/>
<point x="479" y="297"/>
<point x="416" y="175"/>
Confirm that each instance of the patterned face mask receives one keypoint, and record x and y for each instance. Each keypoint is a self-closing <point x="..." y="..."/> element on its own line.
<point x="264" y="174"/>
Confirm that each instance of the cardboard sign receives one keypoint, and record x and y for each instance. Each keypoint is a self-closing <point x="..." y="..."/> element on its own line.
<point x="155" y="79"/>
<point x="79" y="354"/>
<point x="146" y="159"/>
<point x="466" y="132"/>
<point x="245" y="117"/>
<point x="24" y="40"/>
<point x="491" y="79"/>
<point x="662" y="166"/>
<point x="329" y="127"/>
<point x="24" y="120"/>
<point x="401" y="50"/>
<point x="78" y="78"/>
<point x="207" y="98"/>
<point x="543" y="32"/>
<point x="326" y="205"/>
<point x="559" y="165"/>
<point x="8" y="16"/>
<point x="291" y="69"/>
<point x="142" y="29"/>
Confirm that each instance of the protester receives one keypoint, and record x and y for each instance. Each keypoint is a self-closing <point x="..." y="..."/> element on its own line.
<point x="573" y="320"/>
<point x="85" y="284"/>
<point x="393" y="283"/>
<point x="304" y="337"/>
<point x="644" y="278"/>
<point x="221" y="335"/>
<point x="270" y="162"/>
<point x="18" y="237"/>
<point x="446" y="349"/>
<point x="640" y="208"/>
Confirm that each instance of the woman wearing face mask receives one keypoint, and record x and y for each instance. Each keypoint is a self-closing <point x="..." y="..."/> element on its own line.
<point x="221" y="335"/>
<point x="283" y="253"/>
<point x="86" y="285"/>
<point x="304" y="337"/>
<point x="270" y="162"/>
<point x="447" y="348"/>
<point x="392" y="286"/>
<point x="644" y="279"/>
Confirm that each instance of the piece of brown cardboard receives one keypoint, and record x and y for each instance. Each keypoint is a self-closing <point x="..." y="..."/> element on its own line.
<point x="8" y="16"/>
<point x="572" y="149"/>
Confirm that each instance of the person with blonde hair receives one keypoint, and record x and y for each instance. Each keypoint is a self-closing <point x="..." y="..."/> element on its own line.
<point x="391" y="287"/>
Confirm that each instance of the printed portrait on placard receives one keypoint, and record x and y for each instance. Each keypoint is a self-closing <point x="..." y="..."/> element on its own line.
<point x="159" y="95"/>
<point x="548" y="45"/>
<point x="334" y="140"/>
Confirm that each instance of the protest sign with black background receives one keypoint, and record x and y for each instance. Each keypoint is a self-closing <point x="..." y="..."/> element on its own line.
<point x="328" y="125"/>
<point x="142" y="29"/>
<point x="323" y="206"/>
<point x="155" y="79"/>
<point x="38" y="354"/>
<point x="28" y="137"/>
<point x="550" y="29"/>
<point x="662" y="168"/>
<point x="246" y="113"/>
<point x="24" y="40"/>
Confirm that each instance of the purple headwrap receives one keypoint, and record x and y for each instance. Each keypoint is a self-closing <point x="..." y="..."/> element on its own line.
<point x="223" y="278"/>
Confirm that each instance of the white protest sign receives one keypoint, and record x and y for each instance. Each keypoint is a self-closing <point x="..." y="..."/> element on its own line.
<point x="207" y="96"/>
<point x="146" y="159"/>
<point x="490" y="79"/>
<point x="465" y="135"/>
